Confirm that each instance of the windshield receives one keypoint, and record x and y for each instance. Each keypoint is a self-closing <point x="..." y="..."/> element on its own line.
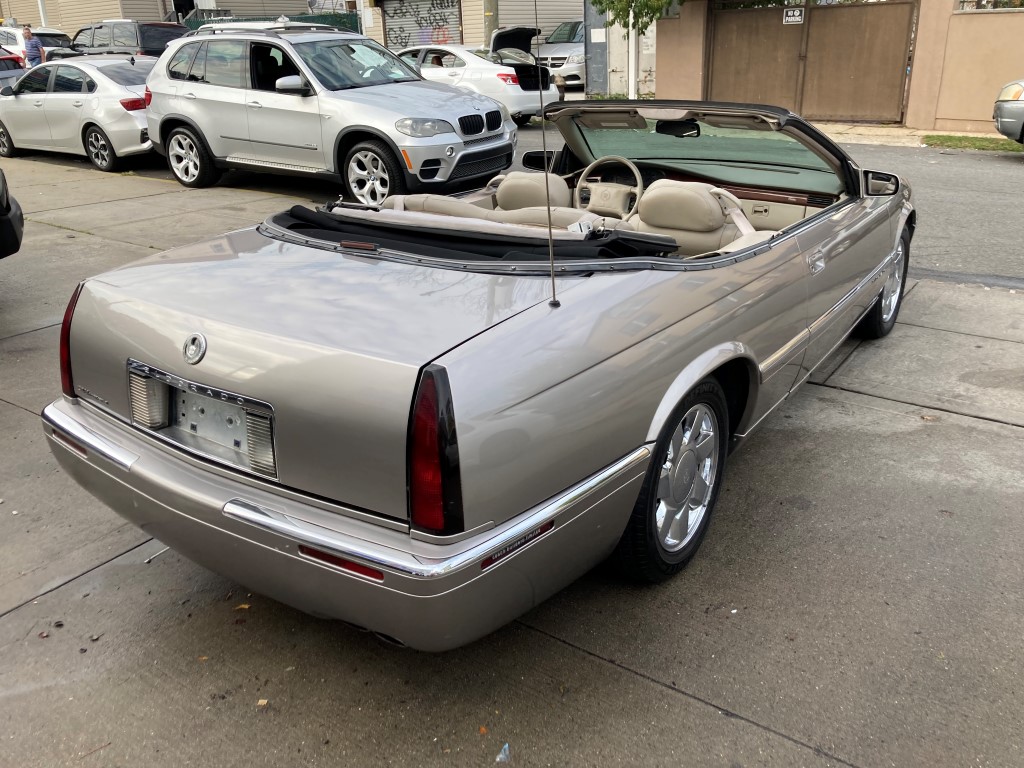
<point x="126" y="73"/>
<point x="341" y="64"/>
<point x="731" y="152"/>
<point x="567" y="32"/>
<point x="53" y="41"/>
<point x="159" y="37"/>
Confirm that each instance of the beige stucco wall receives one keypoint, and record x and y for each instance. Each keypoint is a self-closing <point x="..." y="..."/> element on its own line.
<point x="680" y="52"/>
<point x="961" y="61"/>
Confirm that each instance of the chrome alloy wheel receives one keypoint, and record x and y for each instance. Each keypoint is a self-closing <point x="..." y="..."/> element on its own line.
<point x="368" y="178"/>
<point x="893" y="285"/>
<point x="99" y="152"/>
<point x="687" y="478"/>
<point x="5" y="141"/>
<point x="184" y="157"/>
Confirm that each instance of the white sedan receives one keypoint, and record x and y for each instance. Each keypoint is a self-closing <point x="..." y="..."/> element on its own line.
<point x="91" y="106"/>
<point x="507" y="78"/>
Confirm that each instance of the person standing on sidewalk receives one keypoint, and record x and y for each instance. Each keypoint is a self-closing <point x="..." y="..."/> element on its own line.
<point x="34" y="53"/>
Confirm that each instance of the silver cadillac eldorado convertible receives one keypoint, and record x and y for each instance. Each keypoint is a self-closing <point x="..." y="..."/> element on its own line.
<point x="426" y="418"/>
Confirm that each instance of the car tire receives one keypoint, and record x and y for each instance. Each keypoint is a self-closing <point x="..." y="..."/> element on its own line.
<point x="683" y="481"/>
<point x="522" y="120"/>
<point x="372" y="173"/>
<point x="97" y="147"/>
<point x="189" y="161"/>
<point x="7" y="148"/>
<point x="881" y="318"/>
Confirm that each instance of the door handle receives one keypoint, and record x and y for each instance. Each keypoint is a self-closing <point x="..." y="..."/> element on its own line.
<point x="76" y="103"/>
<point x="37" y="104"/>
<point x="453" y="74"/>
<point x="255" y="105"/>
<point x="816" y="261"/>
<point x="188" y="95"/>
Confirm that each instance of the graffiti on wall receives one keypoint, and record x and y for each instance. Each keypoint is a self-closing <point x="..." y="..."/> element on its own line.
<point x="421" y="22"/>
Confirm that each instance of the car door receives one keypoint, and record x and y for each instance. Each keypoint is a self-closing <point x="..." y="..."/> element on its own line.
<point x="441" y="66"/>
<point x="213" y="97"/>
<point x="125" y="39"/>
<point x="842" y="250"/>
<point x="64" y="103"/>
<point x="101" y="39"/>
<point x="82" y="41"/>
<point x="283" y="127"/>
<point x="24" y="113"/>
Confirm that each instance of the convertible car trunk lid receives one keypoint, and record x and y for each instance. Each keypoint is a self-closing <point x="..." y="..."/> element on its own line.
<point x="325" y="347"/>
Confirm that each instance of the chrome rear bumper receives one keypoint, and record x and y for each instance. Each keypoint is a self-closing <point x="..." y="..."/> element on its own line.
<point x="430" y="596"/>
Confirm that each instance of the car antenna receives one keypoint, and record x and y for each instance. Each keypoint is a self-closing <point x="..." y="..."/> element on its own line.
<point x="554" y="303"/>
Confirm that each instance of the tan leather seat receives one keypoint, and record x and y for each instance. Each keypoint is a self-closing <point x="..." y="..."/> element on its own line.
<point x="519" y="198"/>
<point x="687" y="212"/>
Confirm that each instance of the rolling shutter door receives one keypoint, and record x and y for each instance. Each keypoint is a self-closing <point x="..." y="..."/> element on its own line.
<point x="421" y="22"/>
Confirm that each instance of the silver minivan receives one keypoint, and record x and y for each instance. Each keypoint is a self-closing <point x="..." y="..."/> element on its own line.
<point x="328" y="104"/>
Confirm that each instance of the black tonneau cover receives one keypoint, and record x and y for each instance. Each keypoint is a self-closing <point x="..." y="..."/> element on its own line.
<point x="460" y="245"/>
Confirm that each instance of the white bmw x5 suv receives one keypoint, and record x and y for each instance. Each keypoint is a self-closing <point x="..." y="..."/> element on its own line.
<point x="327" y="104"/>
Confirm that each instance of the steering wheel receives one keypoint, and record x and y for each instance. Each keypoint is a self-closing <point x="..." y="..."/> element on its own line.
<point x="608" y="198"/>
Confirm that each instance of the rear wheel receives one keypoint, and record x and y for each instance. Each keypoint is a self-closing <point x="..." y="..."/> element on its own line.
<point x="674" y="508"/>
<point x="522" y="120"/>
<point x="372" y="174"/>
<point x="881" y="318"/>
<point x="7" y="148"/>
<point x="97" y="146"/>
<point x="188" y="159"/>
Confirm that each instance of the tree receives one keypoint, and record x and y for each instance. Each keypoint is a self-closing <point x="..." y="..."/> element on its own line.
<point x="632" y="15"/>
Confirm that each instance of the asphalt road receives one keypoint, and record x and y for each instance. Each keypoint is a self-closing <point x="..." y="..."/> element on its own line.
<point x="857" y="601"/>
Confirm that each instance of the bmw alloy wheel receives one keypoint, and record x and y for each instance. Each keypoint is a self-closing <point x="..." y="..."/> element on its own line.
<point x="184" y="157"/>
<point x="99" y="151"/>
<point x="893" y="285"/>
<point x="687" y="478"/>
<point x="368" y="177"/>
<point x="5" y="142"/>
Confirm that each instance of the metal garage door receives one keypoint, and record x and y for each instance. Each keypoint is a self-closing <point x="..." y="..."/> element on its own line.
<point x="421" y="22"/>
<point x="825" y="59"/>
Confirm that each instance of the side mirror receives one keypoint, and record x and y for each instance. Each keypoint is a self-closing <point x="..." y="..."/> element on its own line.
<point x="292" y="84"/>
<point x="878" y="184"/>
<point x="7" y="91"/>
<point x="538" y="160"/>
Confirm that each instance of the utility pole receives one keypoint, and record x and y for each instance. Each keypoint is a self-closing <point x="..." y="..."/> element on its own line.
<point x="42" y="14"/>
<point x="632" y="66"/>
<point x="490" y="22"/>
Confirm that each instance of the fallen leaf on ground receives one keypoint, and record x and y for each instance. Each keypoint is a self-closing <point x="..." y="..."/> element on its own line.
<point x="242" y="607"/>
<point x="203" y="658"/>
<point x="483" y="730"/>
<point x="262" y="703"/>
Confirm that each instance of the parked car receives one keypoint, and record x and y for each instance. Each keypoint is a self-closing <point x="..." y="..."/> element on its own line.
<point x="564" y="54"/>
<point x="13" y="39"/>
<point x="12" y="221"/>
<point x="516" y="84"/>
<point x="11" y="67"/>
<point x="324" y="104"/>
<point x="1009" y="111"/>
<point x="147" y="38"/>
<point x="94" y="107"/>
<point x="384" y="415"/>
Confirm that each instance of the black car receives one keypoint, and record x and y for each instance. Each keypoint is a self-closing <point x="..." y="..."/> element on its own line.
<point x="12" y="221"/>
<point x="139" y="38"/>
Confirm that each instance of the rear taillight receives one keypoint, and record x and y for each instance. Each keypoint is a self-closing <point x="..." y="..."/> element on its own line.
<point x="140" y="52"/>
<point x="66" y="383"/>
<point x="133" y="104"/>
<point x="508" y="79"/>
<point x="148" y="98"/>
<point x="435" y="490"/>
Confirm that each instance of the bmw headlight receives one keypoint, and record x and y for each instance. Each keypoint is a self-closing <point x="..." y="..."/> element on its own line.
<point x="576" y="58"/>
<point x="422" y="127"/>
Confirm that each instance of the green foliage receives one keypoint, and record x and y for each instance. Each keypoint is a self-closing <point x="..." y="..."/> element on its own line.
<point x="972" y="142"/>
<point x="645" y="12"/>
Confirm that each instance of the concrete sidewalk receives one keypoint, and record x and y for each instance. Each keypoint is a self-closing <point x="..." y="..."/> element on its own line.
<point x="892" y="135"/>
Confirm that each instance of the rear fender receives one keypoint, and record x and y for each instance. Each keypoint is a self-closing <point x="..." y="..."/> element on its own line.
<point x="702" y="366"/>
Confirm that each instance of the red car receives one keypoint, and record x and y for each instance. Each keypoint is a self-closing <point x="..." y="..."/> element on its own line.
<point x="10" y="66"/>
